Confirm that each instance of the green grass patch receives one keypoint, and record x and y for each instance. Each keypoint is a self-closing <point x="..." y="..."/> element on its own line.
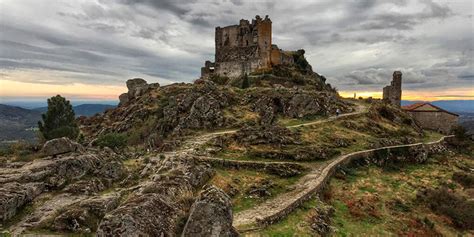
<point x="239" y="184"/>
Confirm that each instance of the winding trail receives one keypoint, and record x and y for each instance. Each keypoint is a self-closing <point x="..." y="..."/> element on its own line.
<point x="275" y="206"/>
<point x="306" y="187"/>
<point x="274" y="209"/>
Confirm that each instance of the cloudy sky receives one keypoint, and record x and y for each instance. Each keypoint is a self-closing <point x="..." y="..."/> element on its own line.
<point x="86" y="49"/>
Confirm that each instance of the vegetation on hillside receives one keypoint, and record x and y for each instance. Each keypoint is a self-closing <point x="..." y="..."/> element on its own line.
<point x="381" y="125"/>
<point x="430" y="199"/>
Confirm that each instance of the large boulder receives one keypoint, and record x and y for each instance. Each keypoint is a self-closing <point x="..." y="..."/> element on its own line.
<point x="60" y="146"/>
<point x="136" y="87"/>
<point x="211" y="215"/>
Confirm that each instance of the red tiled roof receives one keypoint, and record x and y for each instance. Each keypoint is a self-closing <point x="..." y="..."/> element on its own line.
<point x="414" y="106"/>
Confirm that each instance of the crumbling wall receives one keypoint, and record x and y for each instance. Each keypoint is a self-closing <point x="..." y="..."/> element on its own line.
<point x="393" y="92"/>
<point x="245" y="48"/>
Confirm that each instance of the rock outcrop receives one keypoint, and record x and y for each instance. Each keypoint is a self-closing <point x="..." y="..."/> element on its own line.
<point x="136" y="87"/>
<point x="20" y="185"/>
<point x="294" y="103"/>
<point x="84" y="217"/>
<point x="211" y="215"/>
<point x="321" y="219"/>
<point x="15" y="195"/>
<point x="155" y="209"/>
<point x="59" y="146"/>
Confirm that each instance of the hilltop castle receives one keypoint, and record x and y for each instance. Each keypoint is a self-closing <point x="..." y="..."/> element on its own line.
<point x="245" y="48"/>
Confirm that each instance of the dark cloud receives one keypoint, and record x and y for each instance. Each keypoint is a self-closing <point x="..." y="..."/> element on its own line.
<point x="176" y="6"/>
<point x="354" y="43"/>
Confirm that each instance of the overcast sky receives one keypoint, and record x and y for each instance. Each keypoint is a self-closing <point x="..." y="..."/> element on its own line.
<point x="89" y="48"/>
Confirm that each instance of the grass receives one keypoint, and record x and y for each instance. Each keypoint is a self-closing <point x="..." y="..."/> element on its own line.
<point x="394" y="195"/>
<point x="430" y="136"/>
<point x="237" y="183"/>
<point x="371" y="201"/>
<point x="295" y="224"/>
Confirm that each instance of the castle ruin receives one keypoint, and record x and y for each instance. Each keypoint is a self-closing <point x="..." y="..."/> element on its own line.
<point x="393" y="92"/>
<point x="245" y="48"/>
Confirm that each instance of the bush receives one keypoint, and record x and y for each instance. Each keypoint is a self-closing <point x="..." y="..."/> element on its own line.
<point x="245" y="82"/>
<point x="59" y="120"/>
<point x="445" y="202"/>
<point x="461" y="138"/>
<point x="460" y="133"/>
<point x="385" y="112"/>
<point x="23" y="151"/>
<point x="112" y="140"/>
<point x="464" y="178"/>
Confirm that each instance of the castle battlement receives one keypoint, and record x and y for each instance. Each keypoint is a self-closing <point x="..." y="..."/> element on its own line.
<point x="245" y="48"/>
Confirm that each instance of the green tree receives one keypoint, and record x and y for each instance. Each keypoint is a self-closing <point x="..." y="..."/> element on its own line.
<point x="59" y="120"/>
<point x="245" y="82"/>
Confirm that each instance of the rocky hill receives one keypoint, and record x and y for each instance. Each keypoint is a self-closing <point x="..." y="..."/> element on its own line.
<point x="217" y="159"/>
<point x="156" y="115"/>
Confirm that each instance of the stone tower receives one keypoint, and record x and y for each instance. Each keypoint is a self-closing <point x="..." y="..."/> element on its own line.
<point x="245" y="48"/>
<point x="393" y="92"/>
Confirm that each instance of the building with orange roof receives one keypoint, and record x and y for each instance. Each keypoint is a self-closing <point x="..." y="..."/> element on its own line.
<point x="432" y="117"/>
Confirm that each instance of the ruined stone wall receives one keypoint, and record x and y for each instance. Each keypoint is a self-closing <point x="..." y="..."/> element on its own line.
<point x="393" y="92"/>
<point x="264" y="29"/>
<point x="245" y="48"/>
<point x="275" y="56"/>
<point x="234" y="69"/>
<point x="438" y="121"/>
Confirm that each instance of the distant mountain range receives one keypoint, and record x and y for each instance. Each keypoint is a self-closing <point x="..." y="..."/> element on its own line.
<point x="84" y="109"/>
<point x="18" y="123"/>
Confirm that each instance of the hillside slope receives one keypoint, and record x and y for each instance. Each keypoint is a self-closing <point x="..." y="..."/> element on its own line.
<point x="16" y="123"/>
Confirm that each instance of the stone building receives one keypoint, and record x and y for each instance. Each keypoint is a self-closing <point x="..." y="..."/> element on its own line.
<point x="432" y="117"/>
<point x="393" y="92"/>
<point x="245" y="48"/>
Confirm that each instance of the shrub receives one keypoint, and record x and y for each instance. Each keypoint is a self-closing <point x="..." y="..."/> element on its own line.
<point x="461" y="138"/>
<point x="385" y="112"/>
<point x="445" y="202"/>
<point x="464" y="178"/>
<point x="460" y="133"/>
<point x="245" y="82"/>
<point x="59" y="120"/>
<point x="21" y="150"/>
<point x="112" y="140"/>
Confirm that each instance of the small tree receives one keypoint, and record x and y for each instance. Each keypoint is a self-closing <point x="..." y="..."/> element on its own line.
<point x="245" y="82"/>
<point x="59" y="120"/>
